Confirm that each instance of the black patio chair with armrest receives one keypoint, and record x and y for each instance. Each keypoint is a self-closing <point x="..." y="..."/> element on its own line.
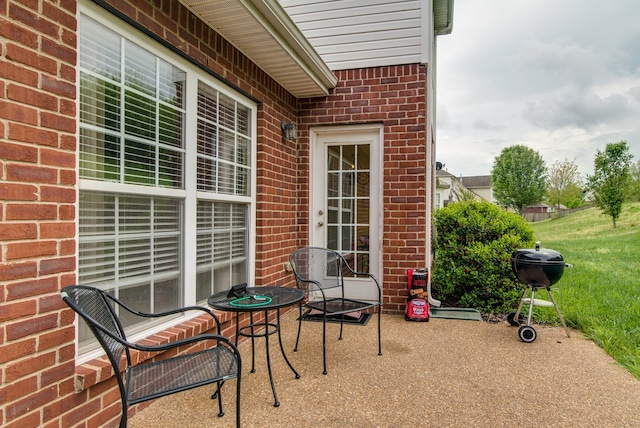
<point x="317" y="271"/>
<point x="213" y="364"/>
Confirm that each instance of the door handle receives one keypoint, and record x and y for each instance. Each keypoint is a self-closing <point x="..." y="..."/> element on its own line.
<point x="321" y="223"/>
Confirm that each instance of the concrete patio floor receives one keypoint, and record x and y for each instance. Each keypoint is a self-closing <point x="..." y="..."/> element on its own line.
<point x="441" y="373"/>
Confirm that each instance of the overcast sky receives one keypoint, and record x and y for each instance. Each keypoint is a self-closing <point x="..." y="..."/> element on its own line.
<point x="559" y="76"/>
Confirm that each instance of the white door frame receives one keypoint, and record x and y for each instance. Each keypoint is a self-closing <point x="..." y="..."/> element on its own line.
<point x="320" y="138"/>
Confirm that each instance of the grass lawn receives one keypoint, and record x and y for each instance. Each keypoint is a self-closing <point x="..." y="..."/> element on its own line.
<point x="600" y="295"/>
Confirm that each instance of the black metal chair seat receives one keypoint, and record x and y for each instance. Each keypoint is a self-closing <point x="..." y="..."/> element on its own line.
<point x="320" y="273"/>
<point x="339" y="306"/>
<point x="156" y="379"/>
<point x="216" y="361"/>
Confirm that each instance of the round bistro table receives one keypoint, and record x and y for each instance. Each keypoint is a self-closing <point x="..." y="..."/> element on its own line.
<point x="277" y="298"/>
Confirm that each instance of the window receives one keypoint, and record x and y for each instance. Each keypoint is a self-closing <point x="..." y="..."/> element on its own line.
<point x="165" y="173"/>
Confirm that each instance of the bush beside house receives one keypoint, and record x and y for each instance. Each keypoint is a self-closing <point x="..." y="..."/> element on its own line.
<point x="472" y="267"/>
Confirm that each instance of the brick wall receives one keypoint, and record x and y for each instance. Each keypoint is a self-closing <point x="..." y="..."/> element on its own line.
<point x="41" y="385"/>
<point x="396" y="97"/>
<point x="37" y="213"/>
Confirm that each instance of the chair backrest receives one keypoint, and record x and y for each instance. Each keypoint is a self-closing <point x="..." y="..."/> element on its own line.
<point x="317" y="267"/>
<point x="93" y="306"/>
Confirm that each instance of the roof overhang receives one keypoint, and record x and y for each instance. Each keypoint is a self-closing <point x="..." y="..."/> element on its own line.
<point x="442" y="17"/>
<point x="264" y="32"/>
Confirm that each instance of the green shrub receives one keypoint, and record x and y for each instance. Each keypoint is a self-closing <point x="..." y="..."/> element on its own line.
<point x="473" y="247"/>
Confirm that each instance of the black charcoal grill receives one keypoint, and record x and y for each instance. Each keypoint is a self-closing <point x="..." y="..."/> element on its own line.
<point x="536" y="268"/>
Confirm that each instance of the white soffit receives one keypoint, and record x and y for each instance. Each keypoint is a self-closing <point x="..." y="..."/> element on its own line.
<point x="263" y="31"/>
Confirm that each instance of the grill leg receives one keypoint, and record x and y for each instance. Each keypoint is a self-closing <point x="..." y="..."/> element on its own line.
<point x="517" y="316"/>
<point x="555" y="305"/>
<point x="531" y="305"/>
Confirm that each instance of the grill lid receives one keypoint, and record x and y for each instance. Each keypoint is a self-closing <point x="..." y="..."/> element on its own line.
<point x="538" y="256"/>
<point x="538" y="265"/>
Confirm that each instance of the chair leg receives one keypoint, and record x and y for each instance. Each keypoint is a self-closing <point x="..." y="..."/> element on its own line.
<point x="123" y="418"/>
<point x="238" y="398"/>
<point x="379" y="336"/>
<point x="295" y="349"/>
<point x="324" y="343"/>
<point x="219" y="393"/>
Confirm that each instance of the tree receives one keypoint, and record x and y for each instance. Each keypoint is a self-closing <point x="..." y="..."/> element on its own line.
<point x="634" y="182"/>
<point x="610" y="179"/>
<point x="565" y="186"/>
<point x="519" y="177"/>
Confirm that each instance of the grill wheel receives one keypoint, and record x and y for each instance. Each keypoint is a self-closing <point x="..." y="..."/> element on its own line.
<point x="527" y="333"/>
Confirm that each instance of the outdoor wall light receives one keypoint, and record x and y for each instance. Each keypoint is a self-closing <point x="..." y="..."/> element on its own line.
<point x="289" y="130"/>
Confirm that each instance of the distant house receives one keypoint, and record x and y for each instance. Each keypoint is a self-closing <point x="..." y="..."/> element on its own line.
<point x="481" y="185"/>
<point x="450" y="188"/>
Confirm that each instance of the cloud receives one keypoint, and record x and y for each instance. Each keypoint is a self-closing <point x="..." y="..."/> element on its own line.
<point x="572" y="107"/>
<point x="486" y="126"/>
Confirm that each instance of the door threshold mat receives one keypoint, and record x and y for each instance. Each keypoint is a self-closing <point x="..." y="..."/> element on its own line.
<point x="357" y="318"/>
<point x="456" y="313"/>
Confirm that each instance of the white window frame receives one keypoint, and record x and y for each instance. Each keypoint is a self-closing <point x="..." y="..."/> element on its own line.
<point x="189" y="195"/>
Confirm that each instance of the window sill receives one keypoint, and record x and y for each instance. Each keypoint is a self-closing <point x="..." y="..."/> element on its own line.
<point x="99" y="369"/>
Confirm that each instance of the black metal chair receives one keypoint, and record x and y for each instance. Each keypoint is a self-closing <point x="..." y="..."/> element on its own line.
<point x="317" y="271"/>
<point x="217" y="360"/>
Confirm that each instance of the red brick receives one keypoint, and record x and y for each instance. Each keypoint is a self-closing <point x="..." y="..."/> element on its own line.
<point x="81" y="413"/>
<point x="33" y="401"/>
<point x="67" y="247"/>
<point x="32" y="288"/>
<point x="11" y="31"/>
<point x="56" y="373"/>
<point x="32" y="97"/>
<point x="32" y="134"/>
<point x="15" y="310"/>
<point x="67" y="212"/>
<point x="67" y="317"/>
<point x="13" y="271"/>
<point x="31" y="212"/>
<point x="58" y="15"/>
<point x="16" y="390"/>
<point x="14" y="350"/>
<point x="33" y="249"/>
<point x="18" y="152"/>
<point x="57" y="265"/>
<point x="59" y="158"/>
<point x="57" y="50"/>
<point x="57" y="194"/>
<point x="55" y="230"/>
<point x="19" y="369"/>
<point x="31" y="174"/>
<point x="18" y="231"/>
<point x="50" y="303"/>
<point x="58" y="122"/>
<point x="59" y="407"/>
<point x="68" y="353"/>
<point x="57" y="337"/>
<point x="30" y="420"/>
<point x="110" y="416"/>
<point x="18" y="112"/>
<point x="32" y="20"/>
<point x="33" y="325"/>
